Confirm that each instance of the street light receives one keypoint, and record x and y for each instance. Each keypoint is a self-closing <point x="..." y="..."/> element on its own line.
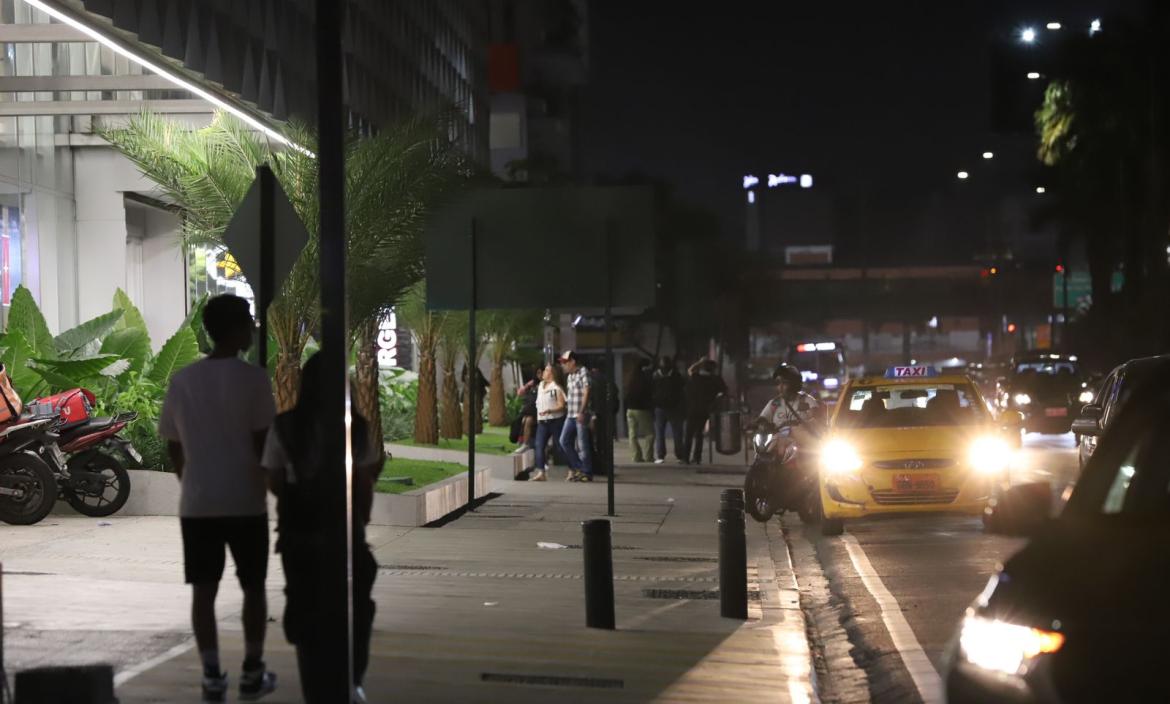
<point x="1033" y="75"/>
<point x="963" y="175"/>
<point x="1094" y="27"/>
<point x="1041" y="190"/>
<point x="988" y="155"/>
<point x="1053" y="25"/>
<point x="1028" y="35"/>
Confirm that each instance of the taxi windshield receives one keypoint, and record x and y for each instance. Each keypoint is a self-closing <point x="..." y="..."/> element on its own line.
<point x="911" y="406"/>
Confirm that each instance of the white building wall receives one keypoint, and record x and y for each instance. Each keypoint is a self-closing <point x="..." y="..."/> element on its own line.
<point x="164" y="276"/>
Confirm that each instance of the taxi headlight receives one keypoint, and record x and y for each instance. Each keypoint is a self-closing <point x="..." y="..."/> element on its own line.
<point x="1022" y="399"/>
<point x="1086" y="396"/>
<point x="1005" y="647"/>
<point x="989" y="455"/>
<point x="839" y="458"/>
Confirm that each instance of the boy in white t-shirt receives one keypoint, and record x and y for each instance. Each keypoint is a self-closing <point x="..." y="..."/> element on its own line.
<point x="215" y="417"/>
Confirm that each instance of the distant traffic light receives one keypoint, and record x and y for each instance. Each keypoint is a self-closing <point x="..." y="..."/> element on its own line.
<point x="1011" y="327"/>
<point x="1060" y="268"/>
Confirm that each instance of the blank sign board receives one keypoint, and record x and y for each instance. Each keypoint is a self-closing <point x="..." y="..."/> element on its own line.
<point x="543" y="248"/>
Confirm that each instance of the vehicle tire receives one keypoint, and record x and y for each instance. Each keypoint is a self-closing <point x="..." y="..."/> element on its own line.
<point x="756" y="499"/>
<point x="810" y="511"/>
<point x="832" y="527"/>
<point x="40" y="488"/>
<point x="115" y="489"/>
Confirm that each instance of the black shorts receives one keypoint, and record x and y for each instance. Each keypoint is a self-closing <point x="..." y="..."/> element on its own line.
<point x="204" y="540"/>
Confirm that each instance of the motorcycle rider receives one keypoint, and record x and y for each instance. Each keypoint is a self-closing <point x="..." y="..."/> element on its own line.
<point x="793" y="406"/>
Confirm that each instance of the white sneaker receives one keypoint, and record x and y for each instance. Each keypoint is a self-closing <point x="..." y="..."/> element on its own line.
<point x="539" y="475"/>
<point x="659" y="461"/>
<point x="520" y="450"/>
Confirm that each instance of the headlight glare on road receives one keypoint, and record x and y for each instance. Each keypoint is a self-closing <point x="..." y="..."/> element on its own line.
<point x="1005" y="647"/>
<point x="989" y="455"/>
<point x="1086" y="397"/>
<point x="1022" y="399"/>
<point x="839" y="458"/>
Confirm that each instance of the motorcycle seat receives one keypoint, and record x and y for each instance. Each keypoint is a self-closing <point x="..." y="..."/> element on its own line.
<point x="91" y="425"/>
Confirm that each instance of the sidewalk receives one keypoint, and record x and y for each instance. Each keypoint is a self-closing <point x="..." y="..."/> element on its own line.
<point x="473" y="611"/>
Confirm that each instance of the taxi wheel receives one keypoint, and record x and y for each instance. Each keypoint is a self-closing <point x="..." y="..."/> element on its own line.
<point x="832" y="527"/>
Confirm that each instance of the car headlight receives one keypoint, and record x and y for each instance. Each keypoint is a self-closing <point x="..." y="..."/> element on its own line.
<point x="1005" y="647"/>
<point x="989" y="455"/>
<point x="839" y="458"/>
<point x="1086" y="397"/>
<point x="831" y="382"/>
<point x="1022" y="399"/>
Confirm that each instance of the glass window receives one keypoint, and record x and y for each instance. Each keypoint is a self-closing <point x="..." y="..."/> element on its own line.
<point x="1140" y="484"/>
<point x="912" y="405"/>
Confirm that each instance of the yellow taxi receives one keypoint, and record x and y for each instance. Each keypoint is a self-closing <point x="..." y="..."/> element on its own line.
<point x="912" y="440"/>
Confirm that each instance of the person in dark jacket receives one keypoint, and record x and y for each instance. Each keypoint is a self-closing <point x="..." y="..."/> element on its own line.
<point x="667" y="397"/>
<point x="704" y="386"/>
<point x="640" y="410"/>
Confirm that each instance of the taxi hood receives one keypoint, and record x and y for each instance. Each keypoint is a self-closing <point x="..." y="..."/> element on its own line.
<point x="932" y="441"/>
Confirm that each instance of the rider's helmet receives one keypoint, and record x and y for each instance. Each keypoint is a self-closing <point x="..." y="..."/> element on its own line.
<point x="789" y="373"/>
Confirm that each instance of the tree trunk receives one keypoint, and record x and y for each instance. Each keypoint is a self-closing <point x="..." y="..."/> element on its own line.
<point x="287" y="380"/>
<point x="426" y="416"/>
<point x="368" y="399"/>
<point x="451" y="425"/>
<point x="497" y="399"/>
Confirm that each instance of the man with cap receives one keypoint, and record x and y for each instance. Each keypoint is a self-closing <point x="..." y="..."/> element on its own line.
<point x="577" y="390"/>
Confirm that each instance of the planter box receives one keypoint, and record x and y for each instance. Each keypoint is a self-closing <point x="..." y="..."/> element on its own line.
<point x="151" y="494"/>
<point x="501" y="466"/>
<point x="429" y="503"/>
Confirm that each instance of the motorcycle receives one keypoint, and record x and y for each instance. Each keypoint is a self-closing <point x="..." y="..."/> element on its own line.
<point x="83" y="452"/>
<point x="781" y="477"/>
<point x="28" y="487"/>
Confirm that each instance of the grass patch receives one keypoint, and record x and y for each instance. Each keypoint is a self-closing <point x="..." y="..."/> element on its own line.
<point x="492" y="441"/>
<point x="423" y="472"/>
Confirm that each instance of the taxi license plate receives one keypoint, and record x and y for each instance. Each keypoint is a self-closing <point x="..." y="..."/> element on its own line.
<point x="1056" y="412"/>
<point x="915" y="482"/>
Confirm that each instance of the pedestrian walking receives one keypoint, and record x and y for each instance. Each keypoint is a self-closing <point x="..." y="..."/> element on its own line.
<point x="214" y="418"/>
<point x="307" y="490"/>
<point x="639" y="394"/>
<point x="577" y="416"/>
<point x="704" y="386"/>
<point x="524" y="427"/>
<point x="551" y="407"/>
<point x="668" y="398"/>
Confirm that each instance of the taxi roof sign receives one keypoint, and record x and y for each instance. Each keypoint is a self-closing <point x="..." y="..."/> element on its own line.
<point x="915" y="372"/>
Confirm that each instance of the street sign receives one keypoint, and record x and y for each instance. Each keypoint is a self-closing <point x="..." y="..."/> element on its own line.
<point x="1080" y="288"/>
<point x="243" y="236"/>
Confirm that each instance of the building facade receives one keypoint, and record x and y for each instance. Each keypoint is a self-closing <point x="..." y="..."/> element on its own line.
<point x="77" y="220"/>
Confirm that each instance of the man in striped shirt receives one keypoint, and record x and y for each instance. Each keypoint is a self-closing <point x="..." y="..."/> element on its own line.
<point x="576" y="430"/>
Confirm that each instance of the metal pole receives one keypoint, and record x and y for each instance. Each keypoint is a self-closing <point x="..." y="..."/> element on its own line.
<point x="267" y="238"/>
<point x="607" y="445"/>
<point x="338" y="537"/>
<point x="472" y="376"/>
<point x="732" y="559"/>
<point x="598" y="551"/>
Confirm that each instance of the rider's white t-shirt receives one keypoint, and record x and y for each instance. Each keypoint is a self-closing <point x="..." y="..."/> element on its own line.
<point x="802" y="409"/>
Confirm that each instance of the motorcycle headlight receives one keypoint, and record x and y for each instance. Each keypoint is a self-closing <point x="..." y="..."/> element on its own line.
<point x="1086" y="396"/>
<point x="1005" y="647"/>
<point x="1022" y="399"/>
<point x="989" y="455"/>
<point x="839" y="458"/>
<point x="762" y="440"/>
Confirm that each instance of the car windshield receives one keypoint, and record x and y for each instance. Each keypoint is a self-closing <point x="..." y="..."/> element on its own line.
<point x="911" y="406"/>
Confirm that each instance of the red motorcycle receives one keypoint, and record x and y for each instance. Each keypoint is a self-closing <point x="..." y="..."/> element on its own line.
<point x="84" y="452"/>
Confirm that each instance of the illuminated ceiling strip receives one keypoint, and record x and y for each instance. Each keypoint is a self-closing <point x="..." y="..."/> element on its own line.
<point x="117" y="46"/>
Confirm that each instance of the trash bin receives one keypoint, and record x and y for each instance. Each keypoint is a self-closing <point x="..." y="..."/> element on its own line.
<point x="728" y="432"/>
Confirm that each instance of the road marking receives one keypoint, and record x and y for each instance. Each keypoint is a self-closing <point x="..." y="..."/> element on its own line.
<point x="926" y="679"/>
<point x="131" y="672"/>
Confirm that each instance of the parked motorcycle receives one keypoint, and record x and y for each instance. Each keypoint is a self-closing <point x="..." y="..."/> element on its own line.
<point x="85" y="453"/>
<point x="28" y="487"/>
<point x="782" y="476"/>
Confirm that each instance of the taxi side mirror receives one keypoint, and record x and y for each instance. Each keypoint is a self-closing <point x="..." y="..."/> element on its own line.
<point x="1011" y="420"/>
<point x="1089" y="422"/>
<point x="1021" y="510"/>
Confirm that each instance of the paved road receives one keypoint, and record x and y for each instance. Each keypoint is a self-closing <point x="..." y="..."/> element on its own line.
<point x="898" y="586"/>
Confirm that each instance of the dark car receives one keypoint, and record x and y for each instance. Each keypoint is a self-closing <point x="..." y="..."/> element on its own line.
<point x="1080" y="614"/>
<point x="823" y="367"/>
<point x="1048" y="389"/>
<point x="1096" y="417"/>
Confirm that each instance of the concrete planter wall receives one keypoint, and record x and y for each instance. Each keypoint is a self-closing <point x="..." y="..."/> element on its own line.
<point x="501" y="466"/>
<point x="429" y="503"/>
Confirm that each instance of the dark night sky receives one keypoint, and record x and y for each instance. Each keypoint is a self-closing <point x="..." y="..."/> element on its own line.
<point x="879" y="100"/>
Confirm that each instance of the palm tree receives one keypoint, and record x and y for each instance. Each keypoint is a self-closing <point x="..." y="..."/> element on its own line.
<point x="393" y="179"/>
<point x="426" y="330"/>
<point x="504" y="328"/>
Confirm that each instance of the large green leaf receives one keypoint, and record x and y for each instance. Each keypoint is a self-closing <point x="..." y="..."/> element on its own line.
<point x="131" y="316"/>
<point x="54" y="381"/>
<point x="131" y="344"/>
<point x="178" y="352"/>
<point x="195" y="322"/>
<point x="25" y="317"/>
<point x="16" y="355"/>
<point x="81" y="370"/>
<point x="71" y="342"/>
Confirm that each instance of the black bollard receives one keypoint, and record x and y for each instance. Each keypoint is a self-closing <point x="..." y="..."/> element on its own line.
<point x="598" y="574"/>
<point x="731" y="498"/>
<point x="79" y="684"/>
<point x="732" y="564"/>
